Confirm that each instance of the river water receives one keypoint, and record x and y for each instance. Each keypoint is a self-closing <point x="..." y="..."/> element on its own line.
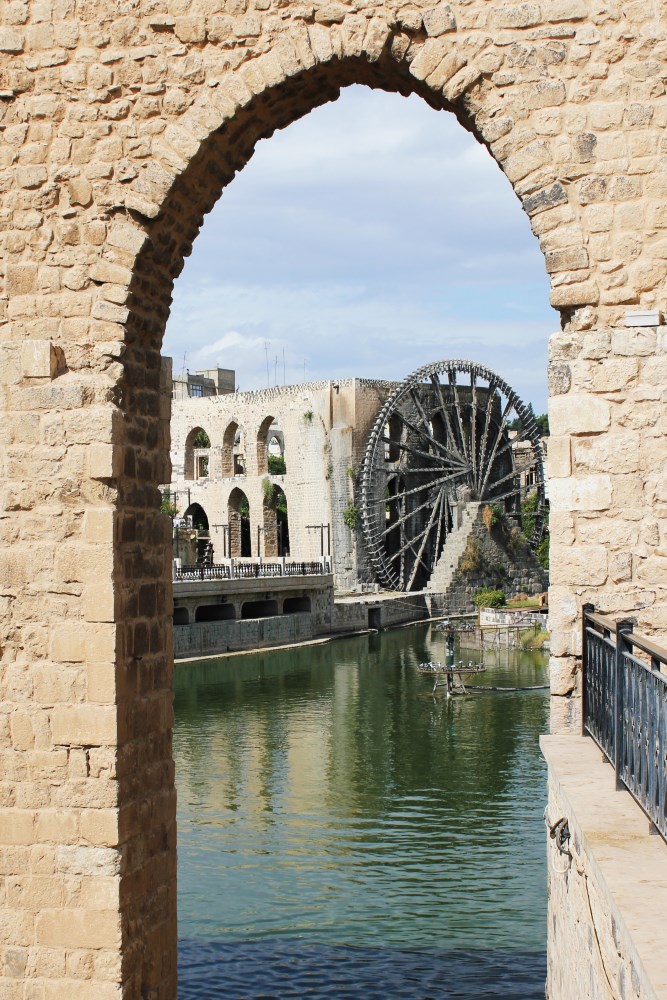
<point x="343" y="833"/>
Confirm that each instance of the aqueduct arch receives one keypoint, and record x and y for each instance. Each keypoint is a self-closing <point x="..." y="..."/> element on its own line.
<point x="121" y="126"/>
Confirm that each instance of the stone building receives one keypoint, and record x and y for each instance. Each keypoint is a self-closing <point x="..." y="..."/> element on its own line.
<point x="319" y="429"/>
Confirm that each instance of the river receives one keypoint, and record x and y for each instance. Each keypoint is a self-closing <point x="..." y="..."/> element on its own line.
<point x="343" y="833"/>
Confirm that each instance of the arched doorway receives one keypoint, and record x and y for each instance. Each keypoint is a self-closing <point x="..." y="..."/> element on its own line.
<point x="238" y="514"/>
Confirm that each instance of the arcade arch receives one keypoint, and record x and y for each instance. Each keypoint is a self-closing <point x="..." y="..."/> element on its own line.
<point x="196" y="463"/>
<point x="238" y="518"/>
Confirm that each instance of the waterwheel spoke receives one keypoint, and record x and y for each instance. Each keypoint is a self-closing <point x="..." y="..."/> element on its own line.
<point x="473" y="440"/>
<point x="503" y="423"/>
<point x="490" y="400"/>
<point x="422" y="454"/>
<point x="454" y="458"/>
<point x="408" y="515"/>
<point x="451" y="437"/>
<point x="457" y="404"/>
<point x="426" y="533"/>
<point x="416" y="489"/>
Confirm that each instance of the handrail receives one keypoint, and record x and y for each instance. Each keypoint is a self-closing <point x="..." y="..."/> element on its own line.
<point x="624" y="707"/>
<point x="247" y="570"/>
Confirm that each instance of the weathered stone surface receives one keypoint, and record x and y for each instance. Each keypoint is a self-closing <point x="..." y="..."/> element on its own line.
<point x="120" y="129"/>
<point x="578" y="414"/>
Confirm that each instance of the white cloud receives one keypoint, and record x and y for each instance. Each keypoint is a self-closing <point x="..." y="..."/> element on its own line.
<point x="370" y="237"/>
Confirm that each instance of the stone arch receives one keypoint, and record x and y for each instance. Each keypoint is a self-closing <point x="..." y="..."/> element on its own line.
<point x="100" y="233"/>
<point x="276" y="522"/>
<point x="231" y="462"/>
<point x="198" y="515"/>
<point x="238" y="517"/>
<point x="267" y="433"/>
<point x="196" y="463"/>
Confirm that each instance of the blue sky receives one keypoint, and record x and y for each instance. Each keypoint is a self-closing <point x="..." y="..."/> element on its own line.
<point x="369" y="238"/>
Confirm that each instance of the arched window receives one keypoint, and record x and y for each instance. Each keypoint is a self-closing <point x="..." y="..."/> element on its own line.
<point x="238" y="516"/>
<point x="233" y="451"/>
<point x="197" y="454"/>
<point x="276" y="526"/>
<point x="271" y="448"/>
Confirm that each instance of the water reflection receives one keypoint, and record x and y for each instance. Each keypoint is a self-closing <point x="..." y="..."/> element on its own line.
<point x="326" y="798"/>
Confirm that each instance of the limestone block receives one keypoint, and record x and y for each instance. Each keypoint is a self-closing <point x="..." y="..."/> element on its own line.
<point x="578" y="414"/>
<point x="522" y="15"/>
<point x="101" y="683"/>
<point x="21" y="279"/>
<point x="439" y="20"/>
<point x="559" y="462"/>
<point x="634" y="341"/>
<point x="82" y="929"/>
<point x="563" y="675"/>
<point x="99" y="602"/>
<point x="617" y="452"/>
<point x="17" y="826"/>
<point x="611" y="532"/>
<point x="57" y="826"/>
<point x="84" y="725"/>
<point x="593" y="492"/>
<point x="653" y="570"/>
<point x="104" y="461"/>
<point x="564" y="608"/>
<point x="526" y="160"/>
<point x="620" y="566"/>
<point x="11" y="40"/>
<point x="577" y="294"/>
<point x="578" y="565"/>
<point x="100" y="828"/>
<point x="39" y="359"/>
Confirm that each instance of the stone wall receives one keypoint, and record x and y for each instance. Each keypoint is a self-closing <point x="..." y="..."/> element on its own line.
<point x="495" y="556"/>
<point x="122" y="123"/>
<point x="606" y="900"/>
<point x="374" y="611"/>
<point x="206" y="638"/>
<point x="325" y="426"/>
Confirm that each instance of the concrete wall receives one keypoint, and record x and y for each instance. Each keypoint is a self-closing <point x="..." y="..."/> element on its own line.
<point x="122" y="124"/>
<point x="221" y="637"/>
<point x="606" y="903"/>
<point x="352" y="614"/>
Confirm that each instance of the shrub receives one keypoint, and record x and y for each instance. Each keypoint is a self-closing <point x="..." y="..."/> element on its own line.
<point x="488" y="598"/>
<point x="276" y="465"/>
<point x="493" y="515"/>
<point x="308" y="416"/>
<point x="351" y="515"/>
<point x="471" y="560"/>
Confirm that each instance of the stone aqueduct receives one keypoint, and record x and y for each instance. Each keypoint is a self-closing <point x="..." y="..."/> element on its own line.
<point x="121" y="123"/>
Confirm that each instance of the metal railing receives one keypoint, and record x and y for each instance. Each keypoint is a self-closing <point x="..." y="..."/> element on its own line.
<point x="248" y="570"/>
<point x="624" y="693"/>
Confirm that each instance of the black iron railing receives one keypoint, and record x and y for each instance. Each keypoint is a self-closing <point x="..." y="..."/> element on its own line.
<point x="624" y="691"/>
<point x="249" y="570"/>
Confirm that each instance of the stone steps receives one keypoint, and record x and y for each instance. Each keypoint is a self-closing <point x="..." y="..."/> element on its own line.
<point x="452" y="552"/>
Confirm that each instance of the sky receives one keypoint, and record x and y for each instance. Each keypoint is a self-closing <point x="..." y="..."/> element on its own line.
<point x="371" y="237"/>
